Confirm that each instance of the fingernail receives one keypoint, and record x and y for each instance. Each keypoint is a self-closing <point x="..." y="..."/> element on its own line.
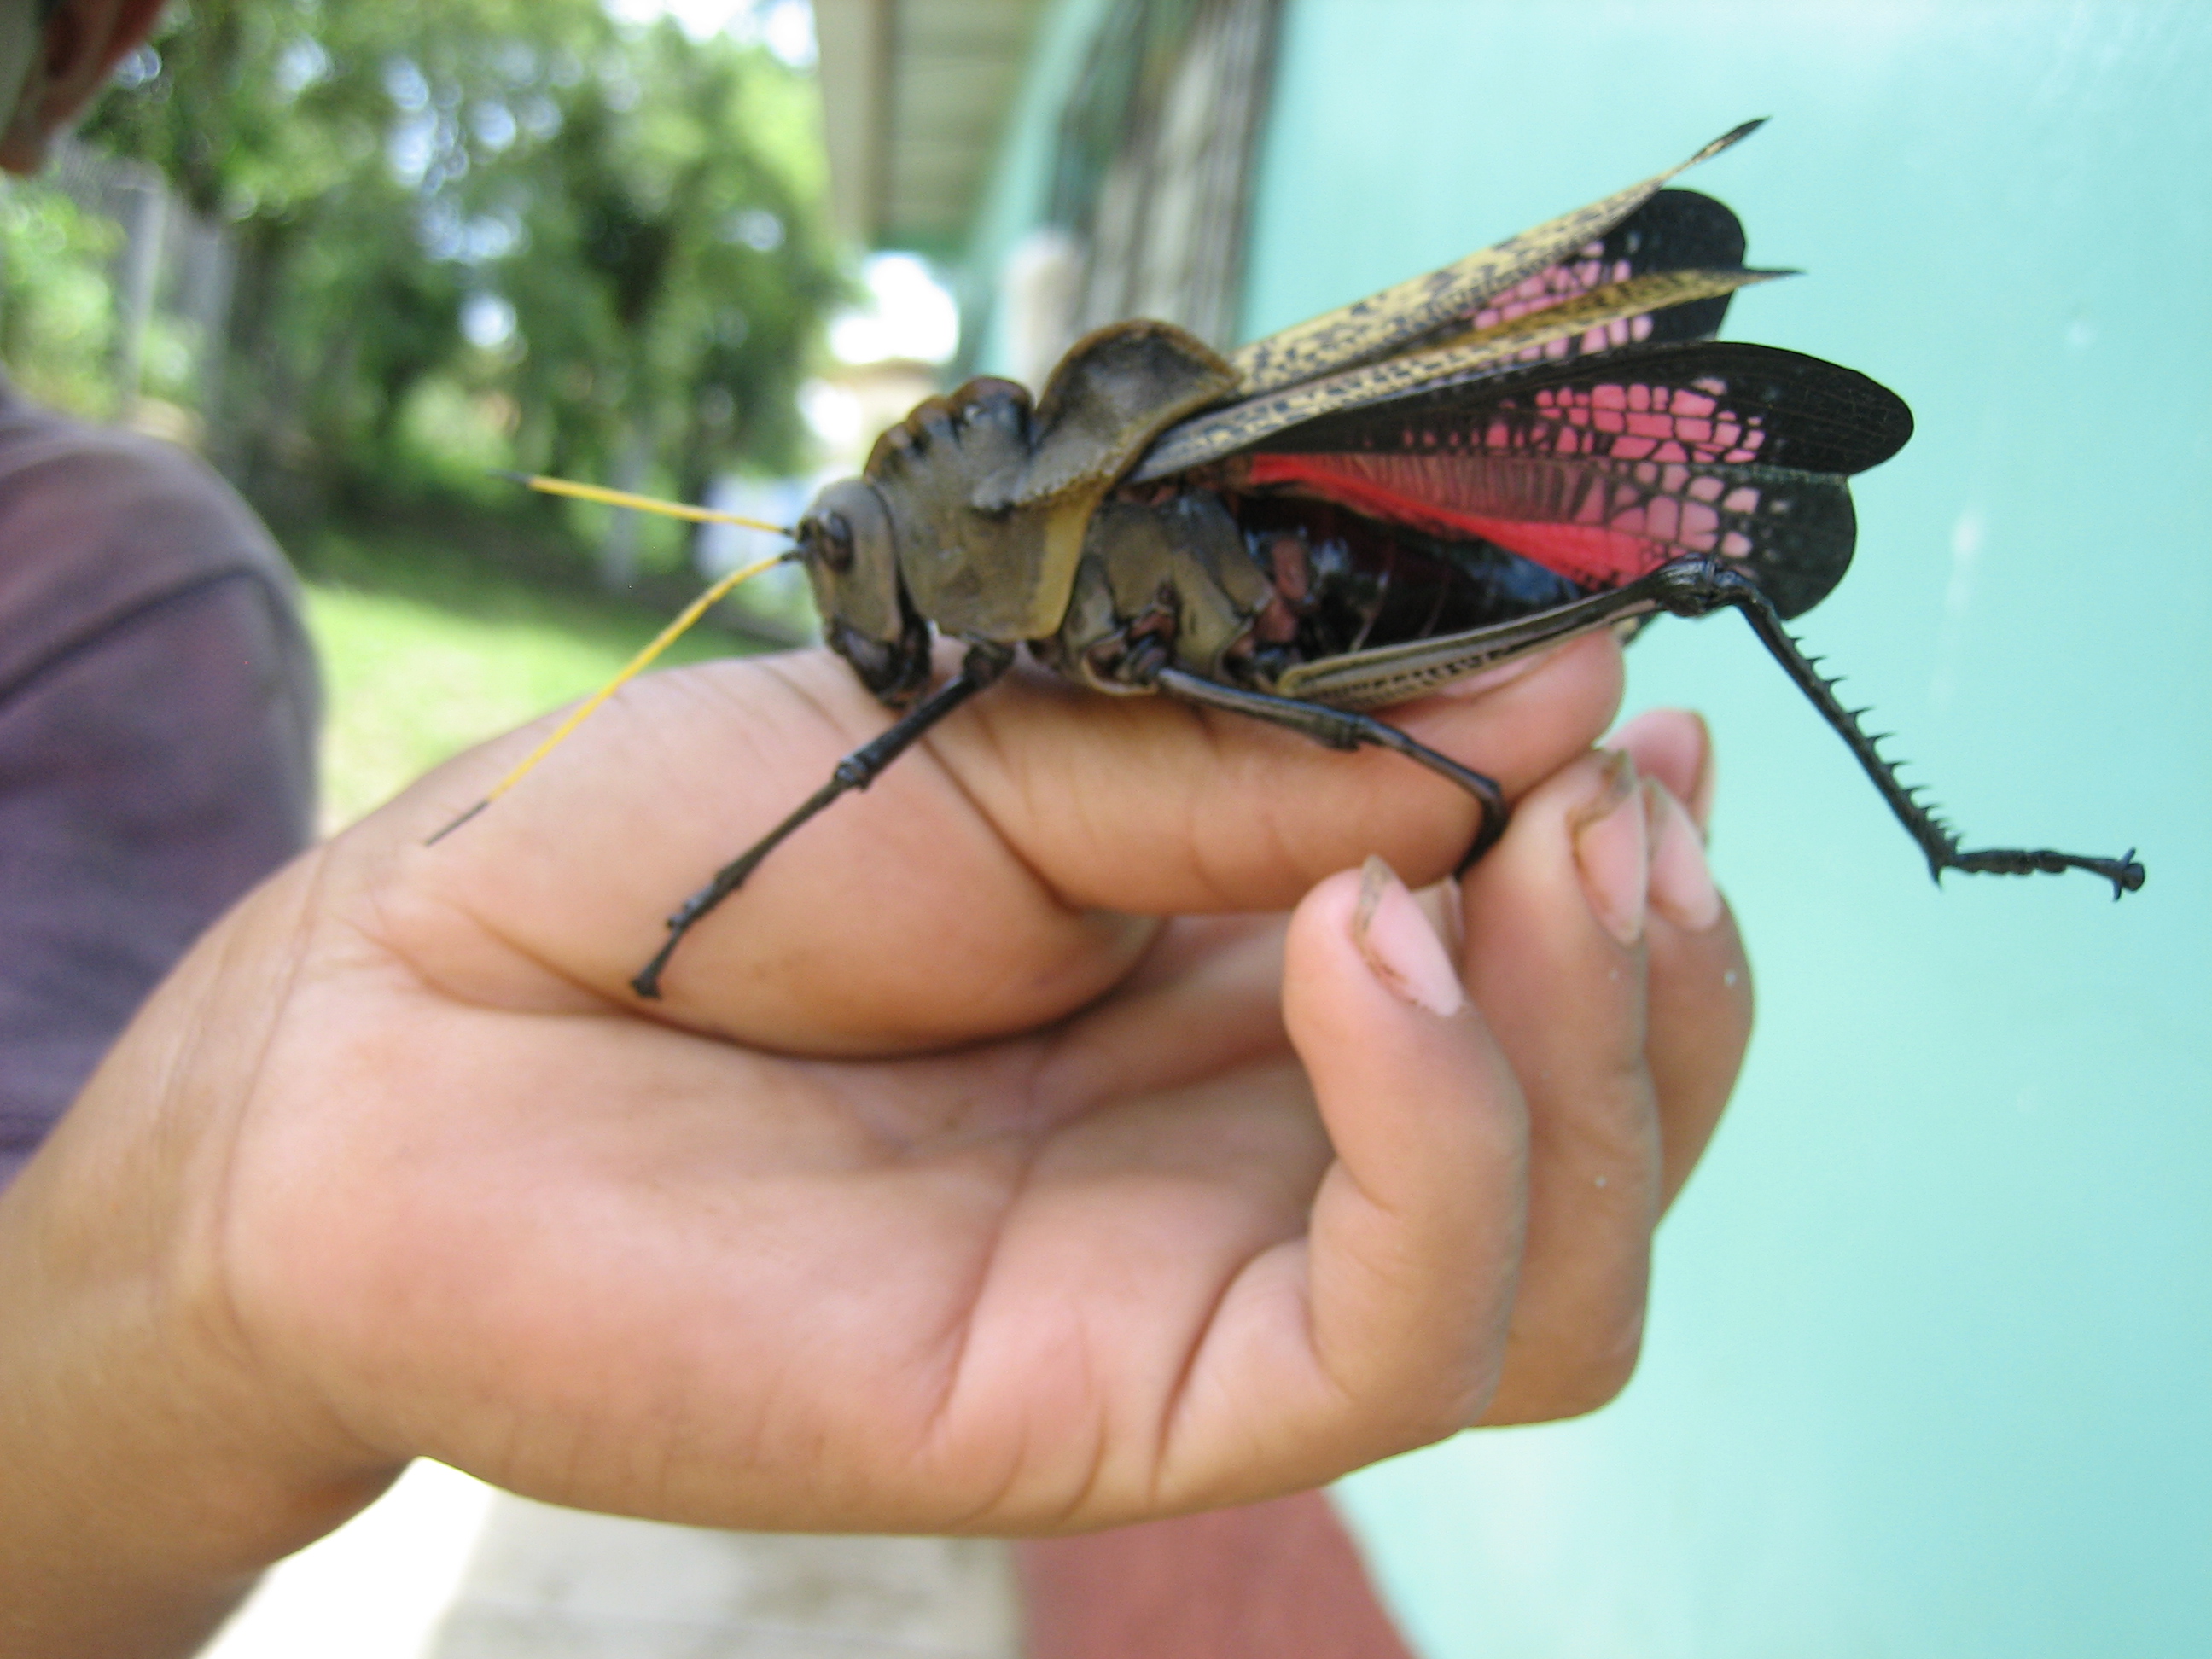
<point x="1400" y="946"/>
<point x="1612" y="849"/>
<point x="1701" y="792"/>
<point x="1676" y="747"/>
<point x="1682" y="888"/>
<point x="1504" y="673"/>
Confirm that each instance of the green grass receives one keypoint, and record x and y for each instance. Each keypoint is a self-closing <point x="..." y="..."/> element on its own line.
<point x="425" y="653"/>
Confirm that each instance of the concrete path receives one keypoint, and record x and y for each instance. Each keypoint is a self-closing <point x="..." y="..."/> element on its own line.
<point x="444" y="1567"/>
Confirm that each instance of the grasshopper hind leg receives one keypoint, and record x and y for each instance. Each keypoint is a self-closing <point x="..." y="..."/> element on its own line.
<point x="1340" y="728"/>
<point x="983" y="665"/>
<point x="1695" y="587"/>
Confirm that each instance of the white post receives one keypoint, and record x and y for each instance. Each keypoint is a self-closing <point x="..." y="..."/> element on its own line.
<point x="145" y="199"/>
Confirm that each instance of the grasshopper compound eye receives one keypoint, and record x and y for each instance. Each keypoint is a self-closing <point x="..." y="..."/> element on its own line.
<point x="827" y="541"/>
<point x="848" y="526"/>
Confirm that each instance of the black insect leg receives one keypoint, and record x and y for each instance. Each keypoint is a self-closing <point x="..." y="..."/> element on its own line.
<point x="984" y="663"/>
<point x="1340" y="728"/>
<point x="1694" y="587"/>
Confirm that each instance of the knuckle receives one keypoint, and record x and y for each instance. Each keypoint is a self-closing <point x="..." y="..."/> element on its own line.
<point x="1455" y="1411"/>
<point x="1562" y="1366"/>
<point x="1595" y="1375"/>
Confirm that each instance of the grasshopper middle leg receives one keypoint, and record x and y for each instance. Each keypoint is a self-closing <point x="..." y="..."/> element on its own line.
<point x="1342" y="728"/>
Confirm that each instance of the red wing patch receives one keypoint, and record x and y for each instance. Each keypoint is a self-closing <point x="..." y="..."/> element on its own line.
<point x="1596" y="525"/>
<point x="1601" y="481"/>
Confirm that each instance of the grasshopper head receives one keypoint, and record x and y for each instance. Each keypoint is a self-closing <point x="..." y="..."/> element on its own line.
<point x="851" y="554"/>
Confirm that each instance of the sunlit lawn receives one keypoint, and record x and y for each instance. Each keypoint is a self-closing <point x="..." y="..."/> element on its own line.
<point x="422" y="656"/>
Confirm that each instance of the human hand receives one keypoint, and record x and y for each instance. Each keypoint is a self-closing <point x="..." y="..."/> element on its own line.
<point x="948" y="1190"/>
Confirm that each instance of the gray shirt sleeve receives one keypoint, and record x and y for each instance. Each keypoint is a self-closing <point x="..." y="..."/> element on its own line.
<point x="155" y="762"/>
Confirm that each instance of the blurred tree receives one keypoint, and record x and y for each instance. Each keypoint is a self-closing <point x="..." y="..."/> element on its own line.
<point x="684" y="180"/>
<point x="613" y="234"/>
<point x="269" y="114"/>
<point x="57" y="315"/>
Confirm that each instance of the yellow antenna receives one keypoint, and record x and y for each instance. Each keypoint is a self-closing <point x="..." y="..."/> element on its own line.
<point x="584" y="492"/>
<point x="666" y="637"/>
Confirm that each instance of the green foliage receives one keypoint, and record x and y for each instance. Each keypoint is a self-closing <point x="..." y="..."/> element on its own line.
<point x="644" y="212"/>
<point x="682" y="177"/>
<point x="259" y="110"/>
<point x="56" y="309"/>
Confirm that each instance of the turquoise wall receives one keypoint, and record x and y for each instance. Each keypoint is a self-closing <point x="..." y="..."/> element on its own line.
<point x="1931" y="1362"/>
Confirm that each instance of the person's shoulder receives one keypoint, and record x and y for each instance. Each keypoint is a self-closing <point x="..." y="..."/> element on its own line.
<point x="98" y="525"/>
<point x="96" y="489"/>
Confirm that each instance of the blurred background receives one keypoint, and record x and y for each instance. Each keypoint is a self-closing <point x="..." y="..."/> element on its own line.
<point x="362" y="255"/>
<point x="1930" y="1371"/>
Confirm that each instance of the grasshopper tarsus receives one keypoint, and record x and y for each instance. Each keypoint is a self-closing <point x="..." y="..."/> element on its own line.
<point x="2126" y="875"/>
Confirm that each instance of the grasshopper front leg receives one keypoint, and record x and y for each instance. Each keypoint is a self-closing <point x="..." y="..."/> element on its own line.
<point x="983" y="665"/>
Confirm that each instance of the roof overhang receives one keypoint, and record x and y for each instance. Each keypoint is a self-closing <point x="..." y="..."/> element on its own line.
<point x="915" y="97"/>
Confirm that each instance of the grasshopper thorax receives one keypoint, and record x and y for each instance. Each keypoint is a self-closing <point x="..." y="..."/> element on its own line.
<point x="971" y="515"/>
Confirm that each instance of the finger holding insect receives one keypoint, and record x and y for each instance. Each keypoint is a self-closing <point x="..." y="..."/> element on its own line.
<point x="1053" y="823"/>
<point x="836" y="948"/>
<point x="1563" y="921"/>
<point x="1699" y="995"/>
<point x="1147" y="804"/>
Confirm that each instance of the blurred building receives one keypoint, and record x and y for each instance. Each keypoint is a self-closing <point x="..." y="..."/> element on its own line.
<point x="1125" y="193"/>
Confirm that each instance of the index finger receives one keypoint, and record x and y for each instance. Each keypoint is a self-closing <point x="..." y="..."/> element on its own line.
<point x="986" y="884"/>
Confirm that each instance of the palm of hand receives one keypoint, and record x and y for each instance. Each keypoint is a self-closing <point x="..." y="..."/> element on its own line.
<point x="950" y="1193"/>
